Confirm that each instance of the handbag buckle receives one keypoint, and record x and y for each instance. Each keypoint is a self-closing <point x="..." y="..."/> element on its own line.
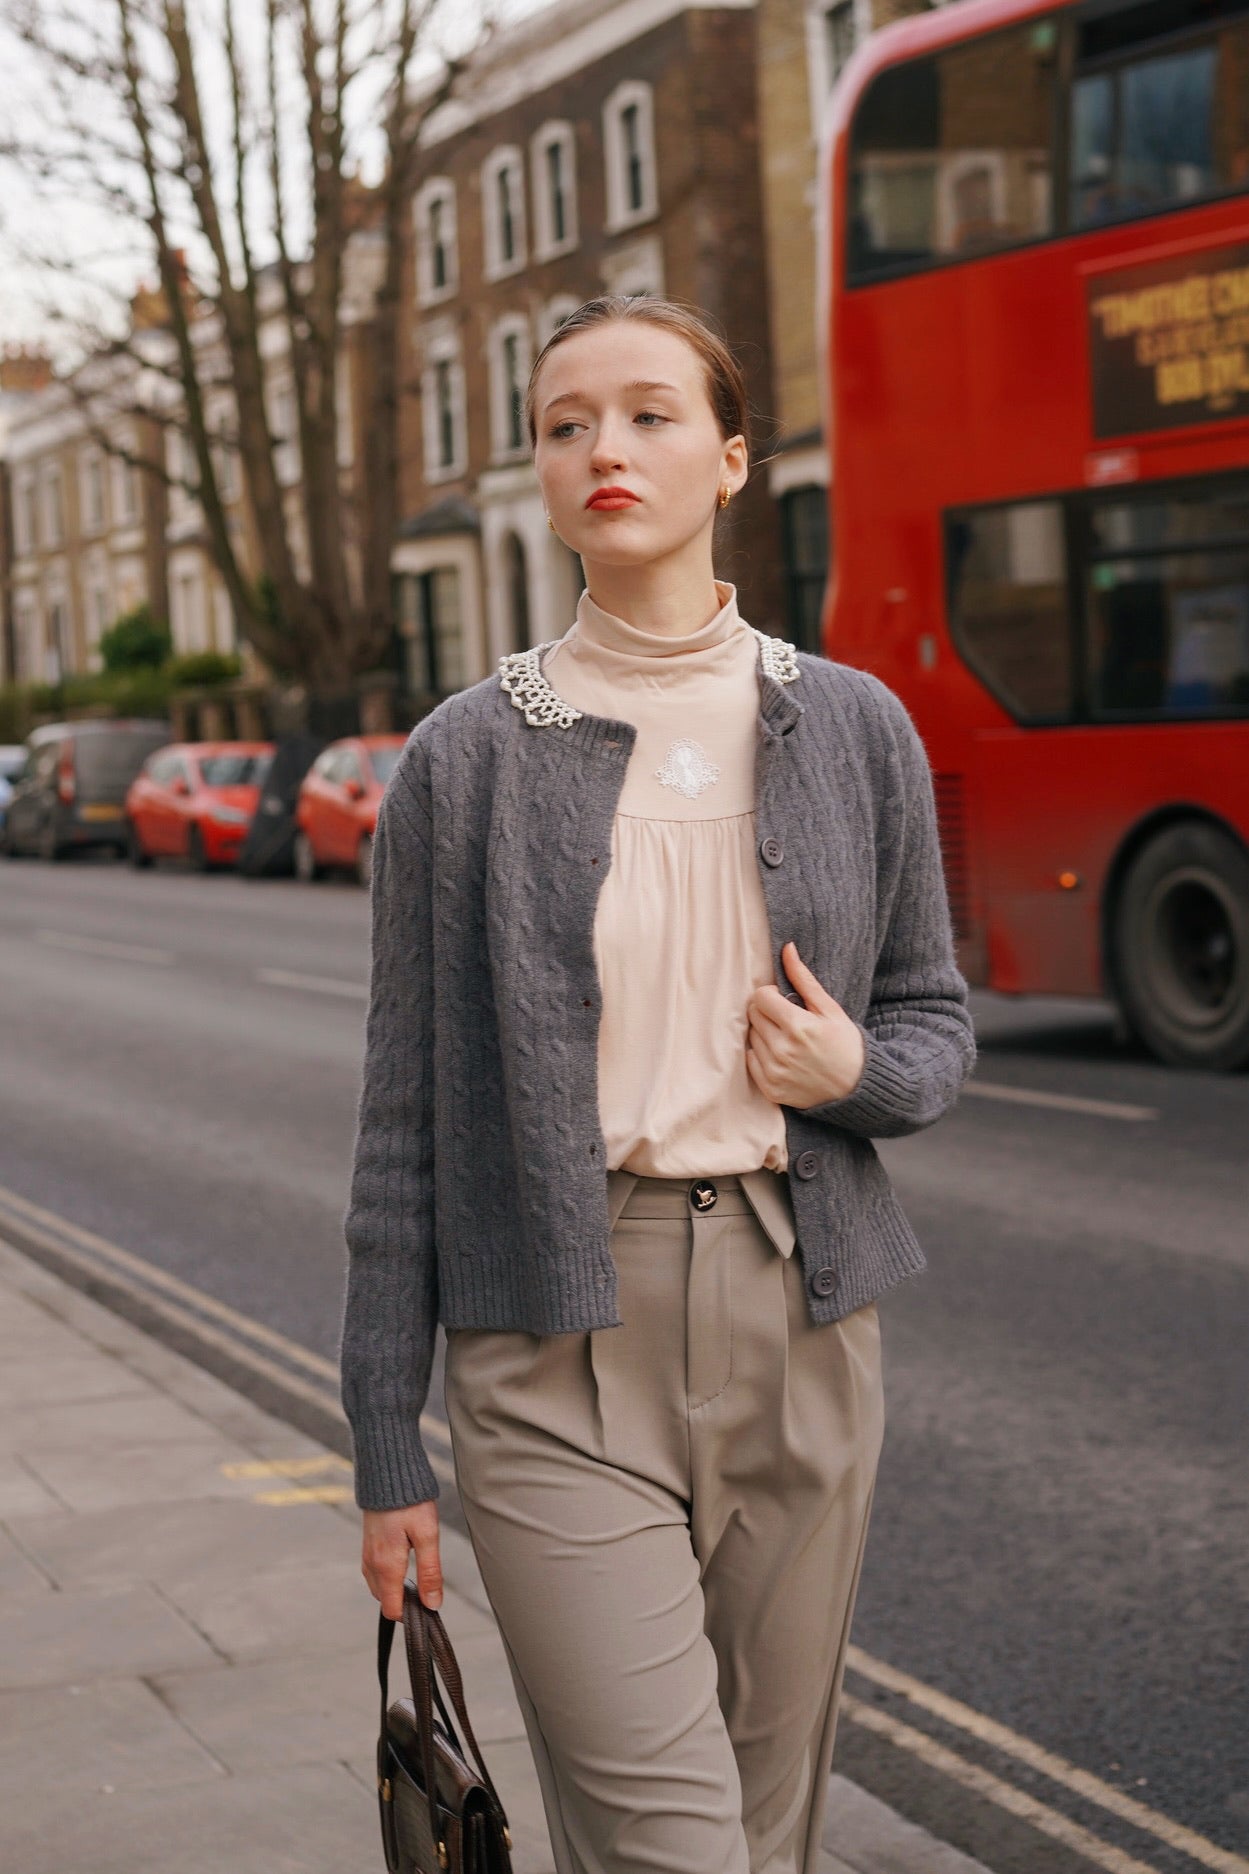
<point x="442" y="1854"/>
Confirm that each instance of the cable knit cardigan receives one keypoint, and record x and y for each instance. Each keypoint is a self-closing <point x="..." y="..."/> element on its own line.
<point x="479" y="1192"/>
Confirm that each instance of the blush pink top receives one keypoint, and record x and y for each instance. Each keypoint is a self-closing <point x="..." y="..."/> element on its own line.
<point x="681" y="933"/>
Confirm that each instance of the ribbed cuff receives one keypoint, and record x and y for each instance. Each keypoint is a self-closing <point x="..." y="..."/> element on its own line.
<point x="882" y="1101"/>
<point x="392" y="1470"/>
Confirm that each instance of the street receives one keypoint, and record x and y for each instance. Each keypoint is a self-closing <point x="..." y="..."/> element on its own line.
<point x="1062" y="1520"/>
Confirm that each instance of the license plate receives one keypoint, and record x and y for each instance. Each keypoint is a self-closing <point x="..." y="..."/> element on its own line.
<point x="99" y="810"/>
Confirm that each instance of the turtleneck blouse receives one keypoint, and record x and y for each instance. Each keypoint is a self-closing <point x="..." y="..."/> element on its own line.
<point x="681" y="934"/>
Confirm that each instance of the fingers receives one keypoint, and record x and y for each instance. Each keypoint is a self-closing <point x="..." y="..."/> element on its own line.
<point x="389" y="1537"/>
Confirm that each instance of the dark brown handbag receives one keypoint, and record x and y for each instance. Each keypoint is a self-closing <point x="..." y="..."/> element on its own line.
<point x="437" y="1812"/>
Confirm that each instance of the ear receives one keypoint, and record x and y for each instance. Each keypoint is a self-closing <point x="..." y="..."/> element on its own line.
<point x="735" y="463"/>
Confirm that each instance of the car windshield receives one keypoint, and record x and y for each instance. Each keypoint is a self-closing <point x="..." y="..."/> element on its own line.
<point x="233" y="770"/>
<point x="384" y="762"/>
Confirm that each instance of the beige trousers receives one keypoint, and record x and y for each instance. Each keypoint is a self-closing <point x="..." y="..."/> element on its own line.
<point x="669" y="1517"/>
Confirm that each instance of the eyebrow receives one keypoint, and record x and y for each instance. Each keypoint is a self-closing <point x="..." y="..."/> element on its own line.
<point x="637" y="383"/>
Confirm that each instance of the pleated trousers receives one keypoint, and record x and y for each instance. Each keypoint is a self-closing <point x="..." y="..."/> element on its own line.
<point x="669" y="1517"/>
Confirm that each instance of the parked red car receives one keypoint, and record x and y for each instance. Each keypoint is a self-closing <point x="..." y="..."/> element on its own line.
<point x="337" y="809"/>
<point x="195" y="800"/>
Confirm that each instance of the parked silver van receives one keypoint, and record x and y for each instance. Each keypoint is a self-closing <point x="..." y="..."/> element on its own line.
<point x="71" y="792"/>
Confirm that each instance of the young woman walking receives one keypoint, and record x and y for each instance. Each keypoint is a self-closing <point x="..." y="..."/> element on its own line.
<point x="660" y="943"/>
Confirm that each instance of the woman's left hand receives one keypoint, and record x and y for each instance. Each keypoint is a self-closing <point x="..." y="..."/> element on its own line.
<point x="801" y="1056"/>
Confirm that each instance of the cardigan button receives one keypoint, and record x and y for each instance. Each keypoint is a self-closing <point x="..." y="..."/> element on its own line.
<point x="771" y="851"/>
<point x="806" y="1164"/>
<point x="824" y="1281"/>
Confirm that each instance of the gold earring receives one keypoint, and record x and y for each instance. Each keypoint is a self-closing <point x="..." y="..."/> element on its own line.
<point x="726" y="495"/>
<point x="550" y="523"/>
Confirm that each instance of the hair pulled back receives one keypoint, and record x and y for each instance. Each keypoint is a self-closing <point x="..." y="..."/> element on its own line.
<point x="726" y="389"/>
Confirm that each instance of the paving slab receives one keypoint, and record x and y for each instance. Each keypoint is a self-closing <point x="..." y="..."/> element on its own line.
<point x="17" y="1571"/>
<point x="314" y="1820"/>
<point x="319" y="1708"/>
<point x="108" y="1735"/>
<point x="21" y="1493"/>
<point x="177" y="1545"/>
<point x="67" y="1376"/>
<point x="875" y="1839"/>
<point x="98" y="1424"/>
<point x="47" y="1639"/>
<point x="148" y="1473"/>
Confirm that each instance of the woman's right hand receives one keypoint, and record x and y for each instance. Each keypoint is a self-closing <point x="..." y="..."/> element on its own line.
<point x="388" y="1537"/>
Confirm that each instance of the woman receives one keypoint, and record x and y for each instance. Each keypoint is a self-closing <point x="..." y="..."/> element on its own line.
<point x="660" y="944"/>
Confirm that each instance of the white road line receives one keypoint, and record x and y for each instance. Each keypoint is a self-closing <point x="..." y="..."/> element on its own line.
<point x="101" y="947"/>
<point x="1058" y="1102"/>
<point x="981" y="1782"/>
<point x="317" y="985"/>
<point x="1057" y="1769"/>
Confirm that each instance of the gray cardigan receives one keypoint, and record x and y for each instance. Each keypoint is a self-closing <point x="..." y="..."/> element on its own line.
<point x="479" y="1192"/>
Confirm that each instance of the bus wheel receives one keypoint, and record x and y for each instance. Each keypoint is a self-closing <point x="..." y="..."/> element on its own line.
<point x="1181" y="947"/>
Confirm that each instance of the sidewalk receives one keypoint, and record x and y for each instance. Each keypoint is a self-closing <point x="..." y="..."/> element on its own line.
<point x="186" y="1643"/>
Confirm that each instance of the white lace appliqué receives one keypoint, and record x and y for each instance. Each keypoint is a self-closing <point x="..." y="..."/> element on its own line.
<point x="688" y="769"/>
<point x="520" y="674"/>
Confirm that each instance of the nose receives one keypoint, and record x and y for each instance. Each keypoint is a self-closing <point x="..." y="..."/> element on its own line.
<point x="610" y="451"/>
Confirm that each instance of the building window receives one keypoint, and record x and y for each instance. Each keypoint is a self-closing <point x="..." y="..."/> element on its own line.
<point x="437" y="260"/>
<point x="91" y="473"/>
<point x="509" y="372"/>
<point x="804" y="524"/>
<point x="27" y="635"/>
<point x="431" y="626"/>
<point x="125" y="483"/>
<point x="53" y="506"/>
<point x="284" y="426"/>
<point x="26" y="517"/>
<point x="503" y="197"/>
<point x="629" y="143"/>
<point x="839" y="38"/>
<point x="554" y="190"/>
<point x="443" y="409"/>
<point x="1007" y="582"/>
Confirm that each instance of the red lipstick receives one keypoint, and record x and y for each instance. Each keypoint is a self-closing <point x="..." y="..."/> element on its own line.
<point x="611" y="498"/>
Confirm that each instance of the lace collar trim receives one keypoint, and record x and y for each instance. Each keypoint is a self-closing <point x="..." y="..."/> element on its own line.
<point x="520" y="674"/>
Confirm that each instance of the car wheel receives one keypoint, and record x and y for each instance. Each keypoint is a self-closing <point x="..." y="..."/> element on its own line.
<point x="136" y="851"/>
<point x="50" y="847"/>
<point x="195" y="850"/>
<point x="364" y="861"/>
<point x="307" y="868"/>
<point x="1181" y="947"/>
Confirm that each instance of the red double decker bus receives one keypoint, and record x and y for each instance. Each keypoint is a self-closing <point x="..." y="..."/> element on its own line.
<point x="1035" y="271"/>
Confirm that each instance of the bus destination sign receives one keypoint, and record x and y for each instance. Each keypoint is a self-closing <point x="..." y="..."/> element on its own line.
<point x="1169" y="342"/>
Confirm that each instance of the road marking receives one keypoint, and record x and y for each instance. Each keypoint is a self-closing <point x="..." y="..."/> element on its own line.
<point x="101" y="947"/>
<point x="1036" y="1757"/>
<point x="285" y="1467"/>
<point x="1039" y="1815"/>
<point x="316" y="985"/>
<point x="1058" y="1102"/>
<point x="308" y="1493"/>
<point x="124" y="1267"/>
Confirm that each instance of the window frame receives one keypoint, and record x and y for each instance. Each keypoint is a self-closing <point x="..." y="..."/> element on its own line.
<point x="504" y="160"/>
<point x="547" y="245"/>
<point x="512" y="325"/>
<point x="443" y="349"/>
<point x="438" y="191"/>
<point x="620" y="216"/>
<point x="1067" y="22"/>
<point x="1077" y="506"/>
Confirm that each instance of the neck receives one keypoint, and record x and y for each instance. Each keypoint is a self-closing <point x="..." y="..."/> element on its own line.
<point x="665" y="600"/>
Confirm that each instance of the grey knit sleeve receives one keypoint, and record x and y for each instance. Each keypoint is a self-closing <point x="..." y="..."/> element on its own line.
<point x="391" y="1310"/>
<point x="918" y="1037"/>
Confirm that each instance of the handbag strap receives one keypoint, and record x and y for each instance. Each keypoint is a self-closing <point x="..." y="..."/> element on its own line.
<point x="421" y="1674"/>
<point x="449" y="1666"/>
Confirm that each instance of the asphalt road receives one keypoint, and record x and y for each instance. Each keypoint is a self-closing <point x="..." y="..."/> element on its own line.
<point x="1060" y="1538"/>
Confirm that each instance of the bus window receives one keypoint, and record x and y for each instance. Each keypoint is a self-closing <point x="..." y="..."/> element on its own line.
<point x="1006" y="572"/>
<point x="1155" y="128"/>
<point x="1168" y="607"/>
<point x="951" y="156"/>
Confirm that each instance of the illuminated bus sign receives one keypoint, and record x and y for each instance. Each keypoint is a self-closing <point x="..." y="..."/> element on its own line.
<point x="1169" y="342"/>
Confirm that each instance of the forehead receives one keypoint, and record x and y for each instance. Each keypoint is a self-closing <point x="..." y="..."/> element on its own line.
<point x="604" y="358"/>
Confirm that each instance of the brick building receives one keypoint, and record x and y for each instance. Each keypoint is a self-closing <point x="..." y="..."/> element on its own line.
<point x="85" y="526"/>
<point x="601" y="145"/>
<point x="802" y="47"/>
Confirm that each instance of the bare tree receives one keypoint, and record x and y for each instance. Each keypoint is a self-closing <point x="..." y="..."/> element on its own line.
<point x="228" y="133"/>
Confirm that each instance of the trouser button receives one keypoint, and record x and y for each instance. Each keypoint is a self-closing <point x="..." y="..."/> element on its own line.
<point x="703" y="1194"/>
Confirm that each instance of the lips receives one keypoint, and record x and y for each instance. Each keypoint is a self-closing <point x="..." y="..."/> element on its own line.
<point x="611" y="498"/>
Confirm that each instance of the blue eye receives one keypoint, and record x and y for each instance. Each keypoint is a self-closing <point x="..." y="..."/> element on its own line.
<point x="561" y="429"/>
<point x="653" y="414"/>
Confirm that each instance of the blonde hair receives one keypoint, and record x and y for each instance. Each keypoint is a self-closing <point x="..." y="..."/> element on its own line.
<point x="726" y="388"/>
